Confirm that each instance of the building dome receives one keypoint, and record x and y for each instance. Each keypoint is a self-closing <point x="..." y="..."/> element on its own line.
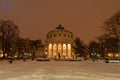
<point x="59" y="34"/>
<point x="59" y="43"/>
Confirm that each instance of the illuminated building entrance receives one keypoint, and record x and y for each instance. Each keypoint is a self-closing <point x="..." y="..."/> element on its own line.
<point x="59" y="43"/>
<point x="58" y="50"/>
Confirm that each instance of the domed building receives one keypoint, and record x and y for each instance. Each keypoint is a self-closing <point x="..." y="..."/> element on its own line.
<point x="59" y="43"/>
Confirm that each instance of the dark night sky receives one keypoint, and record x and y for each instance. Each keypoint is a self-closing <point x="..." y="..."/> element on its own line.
<point x="36" y="18"/>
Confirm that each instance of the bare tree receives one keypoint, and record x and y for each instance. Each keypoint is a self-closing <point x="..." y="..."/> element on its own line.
<point x="9" y="33"/>
<point x="112" y="25"/>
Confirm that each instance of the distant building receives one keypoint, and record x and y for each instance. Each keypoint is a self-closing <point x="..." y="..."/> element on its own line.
<point x="59" y="43"/>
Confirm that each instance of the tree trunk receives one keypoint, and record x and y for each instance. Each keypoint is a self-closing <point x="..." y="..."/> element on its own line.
<point x="3" y="46"/>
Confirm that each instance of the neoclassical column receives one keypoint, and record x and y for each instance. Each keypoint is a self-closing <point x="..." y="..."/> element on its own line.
<point x="52" y="51"/>
<point x="71" y="50"/>
<point x="66" y="50"/>
<point x="57" y="48"/>
<point x="62" y="49"/>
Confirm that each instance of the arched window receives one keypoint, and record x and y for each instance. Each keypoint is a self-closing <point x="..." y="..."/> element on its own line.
<point x="50" y="36"/>
<point x="64" y="35"/>
<point x="68" y="35"/>
<point x="54" y="35"/>
<point x="59" y="34"/>
<point x="47" y="37"/>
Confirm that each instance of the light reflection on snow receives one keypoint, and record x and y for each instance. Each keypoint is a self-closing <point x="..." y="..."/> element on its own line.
<point x="64" y="76"/>
<point x="84" y="70"/>
<point x="1" y="71"/>
<point x="61" y="77"/>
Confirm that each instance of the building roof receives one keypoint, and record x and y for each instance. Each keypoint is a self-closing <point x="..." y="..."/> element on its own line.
<point x="59" y="35"/>
<point x="59" y="29"/>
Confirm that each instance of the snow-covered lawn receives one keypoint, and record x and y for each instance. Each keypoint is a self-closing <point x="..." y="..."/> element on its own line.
<point x="59" y="70"/>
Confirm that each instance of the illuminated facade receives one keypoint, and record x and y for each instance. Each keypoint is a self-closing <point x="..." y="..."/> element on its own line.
<point x="59" y="43"/>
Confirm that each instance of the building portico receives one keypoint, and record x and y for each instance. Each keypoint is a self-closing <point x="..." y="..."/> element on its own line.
<point x="61" y="50"/>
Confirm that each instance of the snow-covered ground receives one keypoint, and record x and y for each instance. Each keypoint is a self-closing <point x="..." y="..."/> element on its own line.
<point x="59" y="70"/>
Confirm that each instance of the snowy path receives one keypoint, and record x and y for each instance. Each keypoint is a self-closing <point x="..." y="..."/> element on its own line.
<point x="59" y="70"/>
